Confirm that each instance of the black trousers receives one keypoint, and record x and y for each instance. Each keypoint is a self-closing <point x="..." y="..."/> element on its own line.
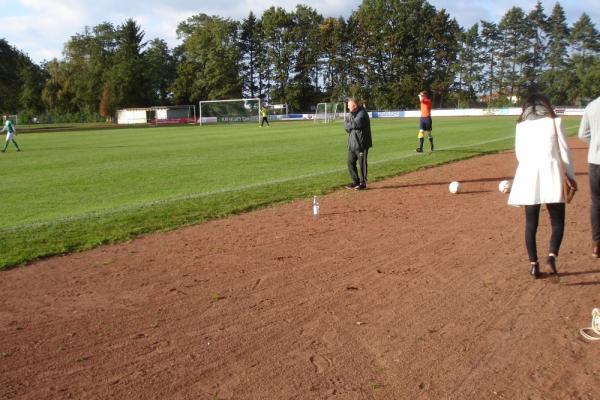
<point x="361" y="157"/>
<point x="263" y="120"/>
<point x="595" y="191"/>
<point x="557" y="220"/>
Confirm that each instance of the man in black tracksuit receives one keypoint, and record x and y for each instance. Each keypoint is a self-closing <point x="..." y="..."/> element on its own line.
<point x="358" y="126"/>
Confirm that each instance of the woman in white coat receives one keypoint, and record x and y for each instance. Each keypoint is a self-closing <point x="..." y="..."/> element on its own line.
<point x="539" y="176"/>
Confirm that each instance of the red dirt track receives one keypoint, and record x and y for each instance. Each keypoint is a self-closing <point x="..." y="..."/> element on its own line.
<point x="403" y="291"/>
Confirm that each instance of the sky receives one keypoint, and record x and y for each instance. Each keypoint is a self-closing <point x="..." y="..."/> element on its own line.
<point x="40" y="28"/>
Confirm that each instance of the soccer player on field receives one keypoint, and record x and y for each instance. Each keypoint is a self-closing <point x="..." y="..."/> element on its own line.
<point x="10" y="134"/>
<point x="425" y="123"/>
<point x="265" y="117"/>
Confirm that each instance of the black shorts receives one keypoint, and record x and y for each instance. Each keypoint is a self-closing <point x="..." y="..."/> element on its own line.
<point x="425" y="124"/>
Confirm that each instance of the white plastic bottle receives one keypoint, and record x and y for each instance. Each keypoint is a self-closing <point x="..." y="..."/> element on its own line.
<point x="316" y="207"/>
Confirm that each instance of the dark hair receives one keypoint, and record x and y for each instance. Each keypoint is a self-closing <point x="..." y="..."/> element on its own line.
<point x="353" y="99"/>
<point x="424" y="93"/>
<point x="537" y="101"/>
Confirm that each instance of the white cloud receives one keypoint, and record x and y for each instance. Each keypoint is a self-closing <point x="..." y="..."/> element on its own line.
<point x="48" y="24"/>
<point x="41" y="27"/>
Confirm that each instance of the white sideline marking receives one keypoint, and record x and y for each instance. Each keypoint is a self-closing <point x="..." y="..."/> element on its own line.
<point x="194" y="196"/>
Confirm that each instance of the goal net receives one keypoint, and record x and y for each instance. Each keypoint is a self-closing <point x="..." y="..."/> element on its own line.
<point x="277" y="111"/>
<point x="235" y="110"/>
<point x="170" y="115"/>
<point x="12" y="118"/>
<point x="329" y="112"/>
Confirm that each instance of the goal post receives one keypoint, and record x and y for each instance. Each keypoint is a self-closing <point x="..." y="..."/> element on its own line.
<point x="13" y="118"/>
<point x="329" y="112"/>
<point x="231" y="110"/>
<point x="277" y="111"/>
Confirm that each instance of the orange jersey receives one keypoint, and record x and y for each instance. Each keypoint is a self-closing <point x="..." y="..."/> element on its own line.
<point x="425" y="107"/>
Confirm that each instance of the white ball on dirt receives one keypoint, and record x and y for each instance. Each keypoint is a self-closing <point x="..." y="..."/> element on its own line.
<point x="454" y="187"/>
<point x="504" y="186"/>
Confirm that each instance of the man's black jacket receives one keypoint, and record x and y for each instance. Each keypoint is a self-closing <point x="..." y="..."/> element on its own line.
<point x="358" y="126"/>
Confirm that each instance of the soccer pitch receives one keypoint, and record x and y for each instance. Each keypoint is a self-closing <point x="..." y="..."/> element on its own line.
<point x="76" y="190"/>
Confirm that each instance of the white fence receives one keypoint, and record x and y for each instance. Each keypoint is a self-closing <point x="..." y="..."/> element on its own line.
<point x="132" y="116"/>
<point x="465" y="112"/>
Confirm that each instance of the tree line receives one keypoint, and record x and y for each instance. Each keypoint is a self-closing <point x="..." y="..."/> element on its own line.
<point x="384" y="53"/>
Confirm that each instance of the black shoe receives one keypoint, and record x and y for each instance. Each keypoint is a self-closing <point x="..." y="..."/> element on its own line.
<point x="352" y="186"/>
<point x="596" y="250"/>
<point x="535" y="270"/>
<point x="362" y="186"/>
<point x="419" y="150"/>
<point x="551" y="263"/>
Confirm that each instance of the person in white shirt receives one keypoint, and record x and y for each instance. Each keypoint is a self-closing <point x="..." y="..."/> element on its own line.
<point x="538" y="179"/>
<point x="10" y="134"/>
<point x="589" y="132"/>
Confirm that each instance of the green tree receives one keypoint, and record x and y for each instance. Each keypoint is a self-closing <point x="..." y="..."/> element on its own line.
<point x="514" y="30"/>
<point x="252" y="52"/>
<point x="585" y="42"/>
<point x="491" y="44"/>
<point x="209" y="66"/>
<point x="557" y="82"/>
<point x="127" y="80"/>
<point x="584" y="37"/>
<point x="304" y="86"/>
<point x="391" y="55"/>
<point x="537" y="25"/>
<point x="469" y="67"/>
<point x="30" y="99"/>
<point x="336" y="49"/>
<point x="278" y="36"/>
<point x="58" y="92"/>
<point x="444" y="44"/>
<point x="21" y="81"/>
<point x="558" y="35"/>
<point x="160" y="71"/>
<point x="88" y="58"/>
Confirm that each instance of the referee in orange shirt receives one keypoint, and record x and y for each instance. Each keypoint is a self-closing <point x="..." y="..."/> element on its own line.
<point x="425" y="123"/>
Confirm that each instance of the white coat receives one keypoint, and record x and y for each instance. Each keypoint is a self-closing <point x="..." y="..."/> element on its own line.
<point x="538" y="178"/>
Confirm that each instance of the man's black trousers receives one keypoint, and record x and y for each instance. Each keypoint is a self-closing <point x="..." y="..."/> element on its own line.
<point x="595" y="189"/>
<point x="361" y="157"/>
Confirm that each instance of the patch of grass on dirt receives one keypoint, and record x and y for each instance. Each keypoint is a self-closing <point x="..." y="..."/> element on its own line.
<point x="216" y="297"/>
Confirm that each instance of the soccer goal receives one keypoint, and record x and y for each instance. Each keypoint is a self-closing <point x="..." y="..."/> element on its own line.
<point x="13" y="118"/>
<point x="234" y="110"/>
<point x="329" y="112"/>
<point x="171" y="115"/>
<point x="277" y="111"/>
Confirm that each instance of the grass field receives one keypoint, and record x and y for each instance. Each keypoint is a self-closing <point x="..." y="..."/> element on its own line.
<point x="70" y="191"/>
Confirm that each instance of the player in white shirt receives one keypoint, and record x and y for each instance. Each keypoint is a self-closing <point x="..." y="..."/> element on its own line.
<point x="10" y="134"/>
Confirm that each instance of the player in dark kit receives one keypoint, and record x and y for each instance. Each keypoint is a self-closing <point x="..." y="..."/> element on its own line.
<point x="425" y="123"/>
